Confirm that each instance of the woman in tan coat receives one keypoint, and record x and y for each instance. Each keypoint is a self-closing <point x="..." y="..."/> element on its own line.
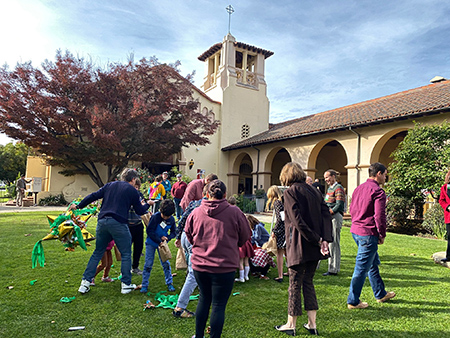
<point x="308" y="232"/>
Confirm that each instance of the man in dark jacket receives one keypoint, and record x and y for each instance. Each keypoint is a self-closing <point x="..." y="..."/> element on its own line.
<point x="117" y="197"/>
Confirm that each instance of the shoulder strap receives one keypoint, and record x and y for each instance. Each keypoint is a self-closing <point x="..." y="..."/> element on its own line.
<point x="273" y="220"/>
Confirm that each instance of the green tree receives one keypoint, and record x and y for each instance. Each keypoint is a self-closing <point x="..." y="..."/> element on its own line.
<point x="420" y="164"/>
<point x="13" y="160"/>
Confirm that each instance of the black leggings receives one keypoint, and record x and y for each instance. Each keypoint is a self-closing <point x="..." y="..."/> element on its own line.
<point x="448" y="240"/>
<point x="215" y="289"/>
<point x="263" y="271"/>
<point x="137" y="237"/>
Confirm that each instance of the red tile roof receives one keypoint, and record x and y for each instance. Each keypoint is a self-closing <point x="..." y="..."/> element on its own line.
<point x="430" y="99"/>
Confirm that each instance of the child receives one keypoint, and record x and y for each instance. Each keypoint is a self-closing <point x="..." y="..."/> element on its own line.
<point x="259" y="233"/>
<point x="105" y="265"/>
<point x="260" y="263"/>
<point x="158" y="231"/>
<point x="245" y="252"/>
<point x="156" y="192"/>
<point x="137" y="232"/>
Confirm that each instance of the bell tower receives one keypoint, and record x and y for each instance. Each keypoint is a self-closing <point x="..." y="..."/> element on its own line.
<point x="234" y="76"/>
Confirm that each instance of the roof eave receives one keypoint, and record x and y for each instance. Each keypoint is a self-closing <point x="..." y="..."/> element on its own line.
<point x="340" y="128"/>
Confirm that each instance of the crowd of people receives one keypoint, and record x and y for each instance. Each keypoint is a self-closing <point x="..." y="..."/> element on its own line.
<point x="218" y="240"/>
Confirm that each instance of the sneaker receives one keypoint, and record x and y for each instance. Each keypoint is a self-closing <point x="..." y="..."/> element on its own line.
<point x="171" y="288"/>
<point x="137" y="271"/>
<point x="246" y="278"/>
<point x="84" y="287"/>
<point x="183" y="314"/>
<point x="242" y="280"/>
<point x="127" y="288"/>
<point x="388" y="296"/>
<point x="361" y="305"/>
<point x="107" y="279"/>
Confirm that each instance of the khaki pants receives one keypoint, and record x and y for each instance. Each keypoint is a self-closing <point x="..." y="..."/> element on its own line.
<point x="334" y="262"/>
<point x="19" y="197"/>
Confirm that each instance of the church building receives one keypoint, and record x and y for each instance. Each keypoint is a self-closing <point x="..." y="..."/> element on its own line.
<point x="247" y="152"/>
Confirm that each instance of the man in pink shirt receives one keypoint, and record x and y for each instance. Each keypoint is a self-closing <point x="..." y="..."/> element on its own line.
<point x="194" y="190"/>
<point x="368" y="210"/>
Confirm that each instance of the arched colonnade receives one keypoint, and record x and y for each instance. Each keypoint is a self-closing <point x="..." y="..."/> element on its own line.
<point x="348" y="152"/>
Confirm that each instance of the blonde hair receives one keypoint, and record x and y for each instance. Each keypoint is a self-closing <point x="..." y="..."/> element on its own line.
<point x="291" y="173"/>
<point x="273" y="193"/>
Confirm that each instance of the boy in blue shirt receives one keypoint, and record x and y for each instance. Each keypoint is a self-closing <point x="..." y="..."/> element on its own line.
<point x="159" y="226"/>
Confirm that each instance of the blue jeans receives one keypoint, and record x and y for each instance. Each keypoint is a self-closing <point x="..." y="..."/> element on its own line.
<point x="367" y="261"/>
<point x="149" y="258"/>
<point x="178" y="207"/>
<point x="190" y="283"/>
<point x="107" y="229"/>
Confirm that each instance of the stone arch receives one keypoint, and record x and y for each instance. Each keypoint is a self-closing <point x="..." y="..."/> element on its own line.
<point x="328" y="154"/>
<point x="274" y="162"/>
<point x="386" y="145"/>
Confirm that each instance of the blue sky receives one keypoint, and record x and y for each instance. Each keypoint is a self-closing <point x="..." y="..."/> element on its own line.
<point x="328" y="53"/>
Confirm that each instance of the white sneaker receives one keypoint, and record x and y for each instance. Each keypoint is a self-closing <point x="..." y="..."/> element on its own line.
<point x="127" y="288"/>
<point x="84" y="287"/>
<point x="246" y="278"/>
<point x="242" y="280"/>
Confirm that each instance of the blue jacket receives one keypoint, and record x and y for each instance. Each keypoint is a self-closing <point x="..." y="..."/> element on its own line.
<point x="118" y="197"/>
<point x="260" y="235"/>
<point x="158" y="227"/>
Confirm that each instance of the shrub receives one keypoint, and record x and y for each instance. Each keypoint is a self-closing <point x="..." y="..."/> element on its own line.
<point x="400" y="216"/>
<point x="11" y="189"/>
<point x="53" y="200"/>
<point x="434" y="222"/>
<point x="260" y="193"/>
<point x="247" y="206"/>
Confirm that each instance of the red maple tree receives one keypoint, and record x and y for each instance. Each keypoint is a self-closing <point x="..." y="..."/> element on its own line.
<point x="78" y="116"/>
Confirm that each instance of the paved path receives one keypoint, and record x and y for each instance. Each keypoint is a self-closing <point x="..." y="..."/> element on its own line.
<point x="4" y="208"/>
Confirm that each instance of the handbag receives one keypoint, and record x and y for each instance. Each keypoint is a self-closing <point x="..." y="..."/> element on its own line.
<point x="146" y="218"/>
<point x="180" y="263"/>
<point x="271" y="245"/>
<point x="164" y="252"/>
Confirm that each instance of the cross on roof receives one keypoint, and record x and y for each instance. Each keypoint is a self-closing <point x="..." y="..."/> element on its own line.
<point x="230" y="10"/>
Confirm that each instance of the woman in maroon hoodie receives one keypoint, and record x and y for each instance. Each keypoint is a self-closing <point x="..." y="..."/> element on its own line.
<point x="216" y="230"/>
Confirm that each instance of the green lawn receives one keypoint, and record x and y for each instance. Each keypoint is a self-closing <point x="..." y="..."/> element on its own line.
<point x="4" y="197"/>
<point x="421" y="308"/>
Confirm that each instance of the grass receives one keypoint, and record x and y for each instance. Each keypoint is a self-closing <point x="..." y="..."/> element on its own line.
<point x="4" y="196"/>
<point x="420" y="309"/>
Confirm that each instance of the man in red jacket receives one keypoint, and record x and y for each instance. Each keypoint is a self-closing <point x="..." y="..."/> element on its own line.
<point x="177" y="191"/>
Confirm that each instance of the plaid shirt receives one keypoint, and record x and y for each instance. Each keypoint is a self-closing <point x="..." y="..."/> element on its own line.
<point x="262" y="258"/>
